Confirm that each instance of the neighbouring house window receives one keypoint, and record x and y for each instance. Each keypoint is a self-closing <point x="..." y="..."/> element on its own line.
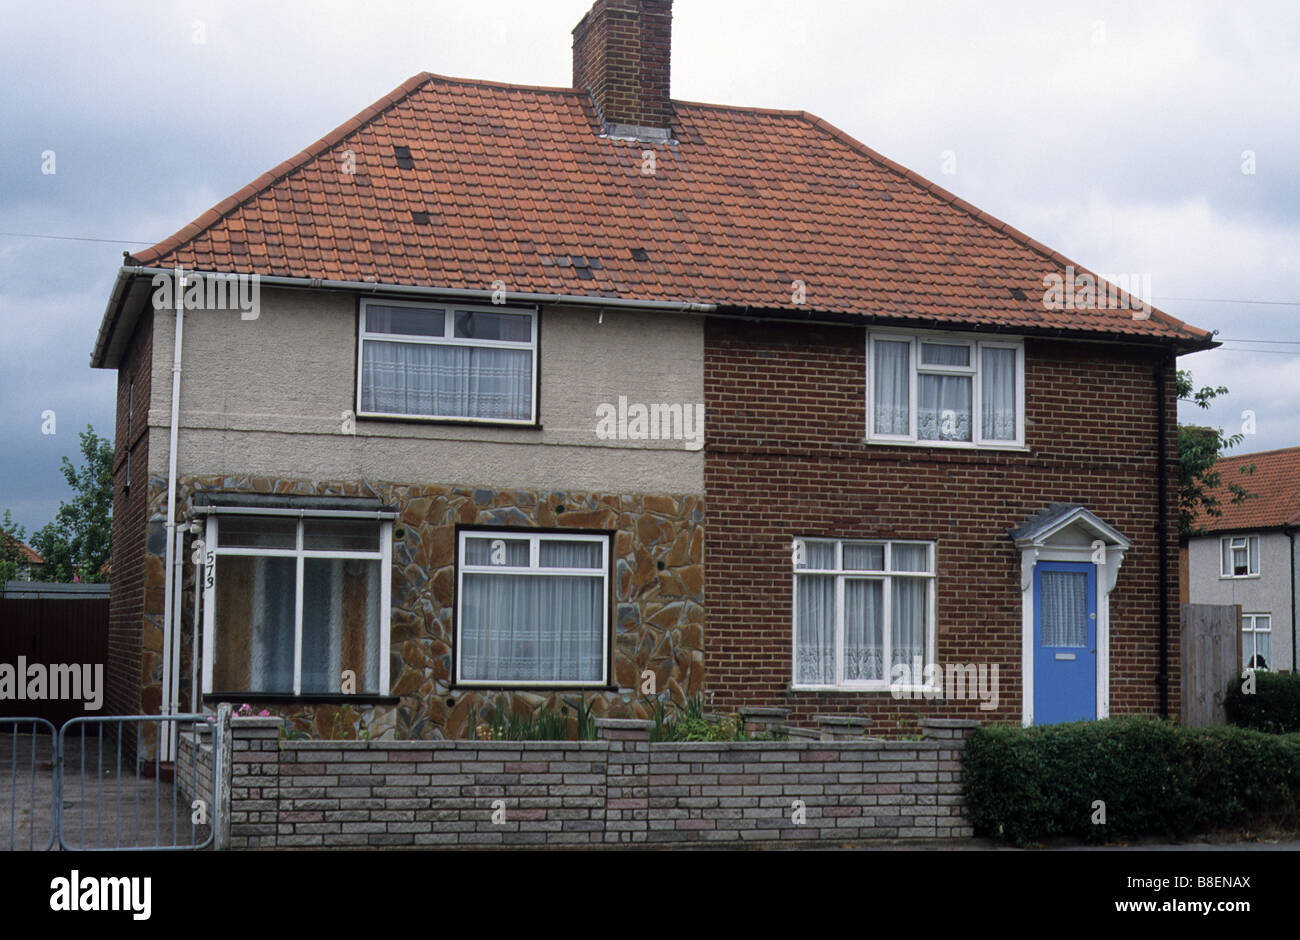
<point x="532" y="608"/>
<point x="297" y="605"/>
<point x="860" y="609"/>
<point x="1240" y="556"/>
<point x="452" y="362"/>
<point x="944" y="391"/>
<point x="1256" y="634"/>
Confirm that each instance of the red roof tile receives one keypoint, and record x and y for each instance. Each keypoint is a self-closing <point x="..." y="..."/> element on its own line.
<point x="1276" y="480"/>
<point x="516" y="179"/>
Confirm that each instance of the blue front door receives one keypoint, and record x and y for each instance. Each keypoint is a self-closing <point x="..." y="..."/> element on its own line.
<point x="1065" y="642"/>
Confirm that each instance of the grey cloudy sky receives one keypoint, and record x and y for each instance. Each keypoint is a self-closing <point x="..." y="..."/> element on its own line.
<point x="1113" y="134"/>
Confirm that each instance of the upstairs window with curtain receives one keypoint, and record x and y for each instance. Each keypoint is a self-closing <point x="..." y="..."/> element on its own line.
<point x="862" y="611"/>
<point x="1240" y="554"/>
<point x="939" y="390"/>
<point x="449" y="362"/>
<point x="532" y="608"/>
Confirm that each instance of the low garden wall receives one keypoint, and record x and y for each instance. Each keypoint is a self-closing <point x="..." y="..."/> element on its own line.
<point x="621" y="789"/>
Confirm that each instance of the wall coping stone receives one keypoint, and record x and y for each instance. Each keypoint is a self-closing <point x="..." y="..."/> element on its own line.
<point x="762" y="711"/>
<point x="848" y="721"/>
<point x="949" y="722"/>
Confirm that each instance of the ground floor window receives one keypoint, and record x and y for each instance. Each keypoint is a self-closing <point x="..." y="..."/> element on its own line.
<point x="532" y="608"/>
<point x="1256" y="637"/>
<point x="863" y="613"/>
<point x="296" y="605"/>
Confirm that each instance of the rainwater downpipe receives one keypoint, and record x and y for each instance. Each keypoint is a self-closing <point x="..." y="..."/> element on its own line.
<point x="1295" y="667"/>
<point x="169" y="585"/>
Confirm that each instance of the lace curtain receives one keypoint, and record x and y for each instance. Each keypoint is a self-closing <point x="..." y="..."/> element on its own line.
<point x="447" y="381"/>
<point x="1065" y="608"/>
<point x="535" y="627"/>
<point x="998" y="394"/>
<point x="890" y="388"/>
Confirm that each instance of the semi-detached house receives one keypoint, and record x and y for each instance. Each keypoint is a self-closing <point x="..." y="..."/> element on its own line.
<point x="447" y="456"/>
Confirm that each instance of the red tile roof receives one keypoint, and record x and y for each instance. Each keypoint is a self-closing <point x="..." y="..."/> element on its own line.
<point x="28" y="555"/>
<point x="517" y="182"/>
<point x="1277" y="481"/>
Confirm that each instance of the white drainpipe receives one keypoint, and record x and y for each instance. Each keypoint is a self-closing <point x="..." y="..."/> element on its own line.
<point x="170" y="598"/>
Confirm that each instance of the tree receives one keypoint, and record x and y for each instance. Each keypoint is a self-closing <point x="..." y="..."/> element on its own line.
<point x="1199" y="449"/>
<point x="12" y="558"/>
<point x="76" y="544"/>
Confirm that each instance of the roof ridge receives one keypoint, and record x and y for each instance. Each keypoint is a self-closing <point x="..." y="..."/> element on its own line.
<point x="228" y="205"/>
<point x="974" y="211"/>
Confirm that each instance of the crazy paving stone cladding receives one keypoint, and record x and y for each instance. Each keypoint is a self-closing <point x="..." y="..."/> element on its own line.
<point x="658" y="602"/>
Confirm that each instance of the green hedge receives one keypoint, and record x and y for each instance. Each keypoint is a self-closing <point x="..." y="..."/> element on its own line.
<point x="1274" y="706"/>
<point x="1156" y="778"/>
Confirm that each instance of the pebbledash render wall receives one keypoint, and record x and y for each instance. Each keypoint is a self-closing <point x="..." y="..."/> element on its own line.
<point x="622" y="789"/>
<point x="786" y="458"/>
<point x="262" y="403"/>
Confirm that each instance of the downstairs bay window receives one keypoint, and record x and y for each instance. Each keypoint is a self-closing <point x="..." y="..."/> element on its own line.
<point x="863" y="610"/>
<point x="943" y="390"/>
<point x="532" y="608"/>
<point x="296" y="604"/>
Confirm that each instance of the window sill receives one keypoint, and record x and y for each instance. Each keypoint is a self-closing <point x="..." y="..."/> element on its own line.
<point x="898" y="690"/>
<point x="457" y="422"/>
<point x="1239" y="577"/>
<point x="532" y="687"/>
<point x="307" y="698"/>
<point x="947" y="445"/>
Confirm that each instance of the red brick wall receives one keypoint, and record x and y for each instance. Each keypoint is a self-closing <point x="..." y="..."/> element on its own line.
<point x="130" y="517"/>
<point x="785" y="458"/>
<point x="621" y="51"/>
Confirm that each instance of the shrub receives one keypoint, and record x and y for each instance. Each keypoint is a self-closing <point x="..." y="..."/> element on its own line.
<point x="1274" y="706"/>
<point x="540" y="725"/>
<point x="1156" y="778"/>
<point x="690" y="724"/>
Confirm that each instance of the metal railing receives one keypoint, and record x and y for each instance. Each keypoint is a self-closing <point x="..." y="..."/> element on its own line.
<point x="23" y="807"/>
<point x="95" y="781"/>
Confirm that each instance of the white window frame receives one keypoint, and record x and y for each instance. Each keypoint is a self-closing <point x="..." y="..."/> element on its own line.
<point x="535" y="539"/>
<point x="207" y="574"/>
<point x="1253" y="630"/>
<point x="1226" y="550"/>
<point x="886" y="574"/>
<point x="974" y="370"/>
<point x="448" y="338"/>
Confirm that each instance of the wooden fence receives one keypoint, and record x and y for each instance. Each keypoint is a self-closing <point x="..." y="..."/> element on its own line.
<point x="1211" y="645"/>
<point x="49" y="631"/>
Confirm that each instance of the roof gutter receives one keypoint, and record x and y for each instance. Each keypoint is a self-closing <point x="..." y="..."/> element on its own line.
<point x="129" y="272"/>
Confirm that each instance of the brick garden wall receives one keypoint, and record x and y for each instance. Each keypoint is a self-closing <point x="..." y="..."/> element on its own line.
<point x="305" y="793"/>
<point x="785" y="458"/>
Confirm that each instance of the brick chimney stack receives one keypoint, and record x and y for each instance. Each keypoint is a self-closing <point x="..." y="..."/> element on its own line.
<point x="621" y="52"/>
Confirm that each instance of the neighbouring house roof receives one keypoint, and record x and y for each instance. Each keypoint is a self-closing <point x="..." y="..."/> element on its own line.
<point x="1042" y="525"/>
<point x="1276" y="480"/>
<point x="518" y="184"/>
<point x="29" y="554"/>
